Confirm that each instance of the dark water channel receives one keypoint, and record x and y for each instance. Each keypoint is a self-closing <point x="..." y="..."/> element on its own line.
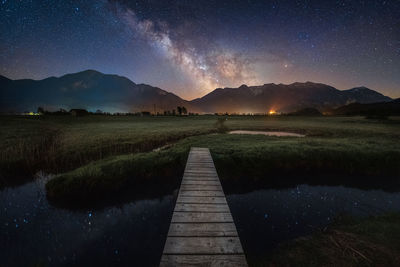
<point x="264" y="218"/>
<point x="32" y="231"/>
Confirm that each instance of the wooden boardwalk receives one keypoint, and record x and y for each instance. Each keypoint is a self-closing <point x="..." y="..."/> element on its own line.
<point x="202" y="231"/>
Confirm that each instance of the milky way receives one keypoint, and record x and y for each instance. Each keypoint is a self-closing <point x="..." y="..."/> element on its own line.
<point x="210" y="69"/>
<point x="192" y="47"/>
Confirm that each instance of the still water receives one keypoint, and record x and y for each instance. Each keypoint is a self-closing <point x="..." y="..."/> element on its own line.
<point x="32" y="231"/>
<point x="264" y="218"/>
<point x="268" y="133"/>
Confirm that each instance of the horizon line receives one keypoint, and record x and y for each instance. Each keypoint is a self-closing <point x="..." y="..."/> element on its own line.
<point x="212" y="90"/>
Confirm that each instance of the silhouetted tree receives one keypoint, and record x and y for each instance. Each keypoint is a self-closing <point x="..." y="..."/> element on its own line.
<point x="184" y="110"/>
<point x="40" y="110"/>
<point x="179" y="110"/>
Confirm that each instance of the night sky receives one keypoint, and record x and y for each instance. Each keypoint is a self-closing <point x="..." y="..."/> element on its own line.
<point x="191" y="47"/>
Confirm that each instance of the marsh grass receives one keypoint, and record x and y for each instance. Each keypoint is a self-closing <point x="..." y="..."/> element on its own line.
<point x="105" y="158"/>
<point x="220" y="124"/>
<point x="256" y="158"/>
<point x="107" y="179"/>
<point x="57" y="144"/>
<point x="107" y="149"/>
<point x="349" y="241"/>
<point x="23" y="151"/>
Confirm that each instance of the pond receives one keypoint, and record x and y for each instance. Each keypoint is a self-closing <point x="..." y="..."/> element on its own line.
<point x="264" y="218"/>
<point x="32" y="231"/>
<point x="268" y="133"/>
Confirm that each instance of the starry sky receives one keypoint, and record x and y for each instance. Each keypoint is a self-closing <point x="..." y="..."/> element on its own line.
<point x="192" y="47"/>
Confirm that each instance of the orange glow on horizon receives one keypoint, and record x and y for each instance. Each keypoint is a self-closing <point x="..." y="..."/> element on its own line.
<point x="272" y="112"/>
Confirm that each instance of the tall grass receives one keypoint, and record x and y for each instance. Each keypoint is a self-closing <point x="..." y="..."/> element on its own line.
<point x="58" y="144"/>
<point x="349" y="241"/>
<point x="239" y="157"/>
<point x="110" y="177"/>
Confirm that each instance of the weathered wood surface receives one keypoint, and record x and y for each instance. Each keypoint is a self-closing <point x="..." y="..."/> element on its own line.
<point x="202" y="245"/>
<point x="204" y="260"/>
<point x="201" y="200"/>
<point x="201" y="217"/>
<point x="202" y="231"/>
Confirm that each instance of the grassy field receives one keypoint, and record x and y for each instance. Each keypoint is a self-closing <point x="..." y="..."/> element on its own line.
<point x="85" y="150"/>
<point x="56" y="144"/>
<point x="98" y="157"/>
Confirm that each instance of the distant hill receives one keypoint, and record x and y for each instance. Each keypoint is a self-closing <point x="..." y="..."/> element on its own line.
<point x="87" y="89"/>
<point x="371" y="109"/>
<point x="93" y="90"/>
<point x="306" y="112"/>
<point x="283" y="98"/>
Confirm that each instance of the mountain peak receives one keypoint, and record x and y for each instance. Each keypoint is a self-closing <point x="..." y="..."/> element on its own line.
<point x="90" y="71"/>
<point x="282" y="97"/>
<point x="88" y="89"/>
<point x="4" y="78"/>
<point x="307" y="84"/>
<point x="360" y="88"/>
<point x="366" y="95"/>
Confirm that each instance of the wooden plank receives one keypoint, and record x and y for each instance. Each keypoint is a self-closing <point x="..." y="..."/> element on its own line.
<point x="200" y="176"/>
<point x="208" y="164"/>
<point x="199" y="172"/>
<point x="201" y="200"/>
<point x="203" y="260"/>
<point x="201" y="207"/>
<point x="202" y="187"/>
<point x="200" y="164"/>
<point x="202" y="245"/>
<point x="198" y="217"/>
<point x="191" y="182"/>
<point x="201" y="193"/>
<point x="194" y="173"/>
<point x="202" y="229"/>
<point x="199" y="167"/>
<point x="200" y="179"/>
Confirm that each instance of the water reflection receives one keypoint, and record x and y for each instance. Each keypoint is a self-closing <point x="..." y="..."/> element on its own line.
<point x="268" y="133"/>
<point x="264" y="218"/>
<point x="34" y="232"/>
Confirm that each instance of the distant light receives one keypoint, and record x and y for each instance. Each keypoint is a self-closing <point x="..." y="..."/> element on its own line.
<point x="32" y="114"/>
<point x="272" y="112"/>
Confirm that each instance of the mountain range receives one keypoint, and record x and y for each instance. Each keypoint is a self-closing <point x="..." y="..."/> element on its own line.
<point x="93" y="90"/>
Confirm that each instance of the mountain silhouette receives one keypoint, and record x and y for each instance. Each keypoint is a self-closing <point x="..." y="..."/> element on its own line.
<point x="93" y="90"/>
<point x="87" y="89"/>
<point x="283" y="98"/>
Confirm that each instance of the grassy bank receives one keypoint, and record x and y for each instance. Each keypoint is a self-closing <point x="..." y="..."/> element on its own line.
<point x="60" y="143"/>
<point x="352" y="156"/>
<point x="107" y="179"/>
<point x="338" y="145"/>
<point x="373" y="241"/>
